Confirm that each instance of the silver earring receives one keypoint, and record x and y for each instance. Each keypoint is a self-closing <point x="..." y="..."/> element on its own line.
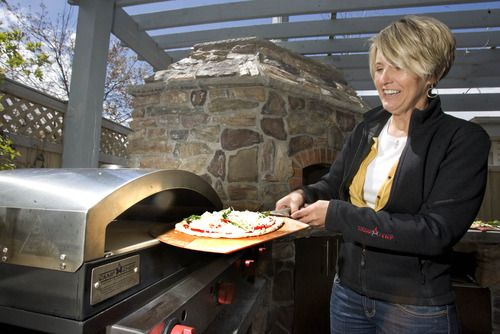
<point x="430" y="95"/>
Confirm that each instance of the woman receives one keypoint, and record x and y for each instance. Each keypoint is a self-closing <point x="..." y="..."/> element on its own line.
<point x="405" y="188"/>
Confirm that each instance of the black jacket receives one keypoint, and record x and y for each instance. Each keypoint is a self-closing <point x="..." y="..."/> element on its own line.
<point x="402" y="253"/>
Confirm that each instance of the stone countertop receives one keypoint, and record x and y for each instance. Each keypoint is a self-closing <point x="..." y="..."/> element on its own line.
<point x="476" y="236"/>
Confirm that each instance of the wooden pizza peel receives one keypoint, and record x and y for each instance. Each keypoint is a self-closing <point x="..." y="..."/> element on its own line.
<point x="227" y="245"/>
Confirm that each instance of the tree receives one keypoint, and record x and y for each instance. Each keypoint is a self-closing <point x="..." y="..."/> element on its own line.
<point x="11" y="49"/>
<point x="58" y="41"/>
<point x="27" y="59"/>
<point x="123" y="70"/>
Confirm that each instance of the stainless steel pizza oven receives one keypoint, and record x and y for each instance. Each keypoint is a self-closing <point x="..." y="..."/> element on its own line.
<point x="79" y="253"/>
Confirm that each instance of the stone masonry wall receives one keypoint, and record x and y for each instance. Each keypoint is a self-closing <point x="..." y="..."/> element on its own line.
<point x="242" y="114"/>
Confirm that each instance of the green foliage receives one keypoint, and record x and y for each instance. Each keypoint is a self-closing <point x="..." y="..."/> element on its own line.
<point x="7" y="154"/>
<point x="11" y="47"/>
<point x="11" y="52"/>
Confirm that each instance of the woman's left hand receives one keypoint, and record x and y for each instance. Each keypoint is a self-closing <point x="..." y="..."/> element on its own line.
<point x="312" y="214"/>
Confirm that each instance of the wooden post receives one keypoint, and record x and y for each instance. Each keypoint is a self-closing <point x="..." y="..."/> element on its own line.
<point x="83" y="120"/>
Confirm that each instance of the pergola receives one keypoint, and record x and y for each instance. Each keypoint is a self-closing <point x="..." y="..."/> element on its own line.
<point x="332" y="31"/>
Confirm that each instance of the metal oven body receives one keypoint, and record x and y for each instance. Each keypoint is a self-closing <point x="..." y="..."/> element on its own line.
<point x="78" y="252"/>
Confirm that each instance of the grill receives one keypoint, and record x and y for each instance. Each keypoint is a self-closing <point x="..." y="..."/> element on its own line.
<point x="79" y="255"/>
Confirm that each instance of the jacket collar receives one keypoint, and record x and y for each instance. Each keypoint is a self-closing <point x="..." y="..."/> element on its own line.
<point x="432" y="111"/>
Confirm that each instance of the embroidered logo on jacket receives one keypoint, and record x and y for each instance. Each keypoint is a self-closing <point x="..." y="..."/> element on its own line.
<point x="375" y="233"/>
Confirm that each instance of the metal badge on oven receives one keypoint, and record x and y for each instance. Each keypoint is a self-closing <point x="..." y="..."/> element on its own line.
<point x="110" y="279"/>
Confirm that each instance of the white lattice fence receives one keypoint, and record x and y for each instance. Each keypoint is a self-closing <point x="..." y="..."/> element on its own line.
<point x="21" y="117"/>
<point x="113" y="143"/>
<point x="35" y="121"/>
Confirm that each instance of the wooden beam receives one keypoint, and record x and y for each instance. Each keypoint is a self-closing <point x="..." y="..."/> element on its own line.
<point x="125" y="3"/>
<point x="326" y="46"/>
<point x="125" y="29"/>
<point x="353" y="45"/>
<point x="471" y="82"/>
<point x="317" y="28"/>
<point x="458" y="71"/>
<point x="248" y="10"/>
<point x="470" y="102"/>
<point x="350" y="61"/>
<point x="32" y="142"/>
<point x="31" y="94"/>
<point x="82" y="125"/>
<point x="179" y="54"/>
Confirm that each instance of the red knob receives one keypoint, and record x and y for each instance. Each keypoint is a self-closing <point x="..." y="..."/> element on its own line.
<point x="158" y="329"/>
<point x="225" y="293"/>
<point x="180" y="329"/>
<point x="262" y="253"/>
<point x="249" y="269"/>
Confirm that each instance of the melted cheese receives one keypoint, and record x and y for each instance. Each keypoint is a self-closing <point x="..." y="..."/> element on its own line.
<point x="230" y="224"/>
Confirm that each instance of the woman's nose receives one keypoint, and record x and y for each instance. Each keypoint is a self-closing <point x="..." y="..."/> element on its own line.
<point x="387" y="76"/>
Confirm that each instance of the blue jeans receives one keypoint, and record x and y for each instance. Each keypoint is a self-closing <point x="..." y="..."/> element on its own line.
<point x="356" y="314"/>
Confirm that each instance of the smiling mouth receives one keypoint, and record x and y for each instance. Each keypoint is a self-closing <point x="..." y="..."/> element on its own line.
<point x="391" y="92"/>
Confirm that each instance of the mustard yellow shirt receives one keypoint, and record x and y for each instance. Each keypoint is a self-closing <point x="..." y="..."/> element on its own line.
<point x="356" y="187"/>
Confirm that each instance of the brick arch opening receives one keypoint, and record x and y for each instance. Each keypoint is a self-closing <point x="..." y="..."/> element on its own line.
<point x="307" y="158"/>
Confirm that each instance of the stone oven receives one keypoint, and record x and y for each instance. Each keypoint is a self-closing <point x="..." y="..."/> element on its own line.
<point x="245" y="114"/>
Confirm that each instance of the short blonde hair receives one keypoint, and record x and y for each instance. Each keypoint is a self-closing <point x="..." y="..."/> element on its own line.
<point x="418" y="44"/>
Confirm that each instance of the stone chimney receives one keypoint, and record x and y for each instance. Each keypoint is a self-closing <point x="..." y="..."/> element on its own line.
<point x="246" y="115"/>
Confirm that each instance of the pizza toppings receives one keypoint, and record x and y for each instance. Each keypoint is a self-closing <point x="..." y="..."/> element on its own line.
<point x="482" y="225"/>
<point x="229" y="223"/>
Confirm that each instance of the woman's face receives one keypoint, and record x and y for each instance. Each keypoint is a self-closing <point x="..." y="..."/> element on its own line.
<point x="399" y="90"/>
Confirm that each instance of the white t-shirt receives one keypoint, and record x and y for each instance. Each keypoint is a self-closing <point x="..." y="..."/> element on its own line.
<point x="389" y="150"/>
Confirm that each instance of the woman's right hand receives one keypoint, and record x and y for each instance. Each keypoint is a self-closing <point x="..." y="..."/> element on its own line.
<point x="294" y="200"/>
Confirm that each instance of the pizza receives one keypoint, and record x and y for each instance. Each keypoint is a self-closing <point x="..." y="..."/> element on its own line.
<point x="230" y="223"/>
<point x="483" y="225"/>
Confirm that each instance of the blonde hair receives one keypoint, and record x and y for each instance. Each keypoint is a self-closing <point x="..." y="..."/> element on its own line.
<point x="418" y="44"/>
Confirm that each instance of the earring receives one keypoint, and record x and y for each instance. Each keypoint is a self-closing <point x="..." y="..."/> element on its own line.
<point x="430" y="95"/>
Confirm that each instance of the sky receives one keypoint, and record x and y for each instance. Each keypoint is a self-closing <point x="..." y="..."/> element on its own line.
<point x="56" y="6"/>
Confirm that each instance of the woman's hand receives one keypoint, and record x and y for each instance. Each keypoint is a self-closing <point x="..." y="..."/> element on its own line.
<point x="313" y="214"/>
<point x="293" y="200"/>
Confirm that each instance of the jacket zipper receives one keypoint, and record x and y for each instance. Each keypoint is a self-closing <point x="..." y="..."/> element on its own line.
<point x="421" y="271"/>
<point x="363" y="256"/>
<point x="363" y="266"/>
